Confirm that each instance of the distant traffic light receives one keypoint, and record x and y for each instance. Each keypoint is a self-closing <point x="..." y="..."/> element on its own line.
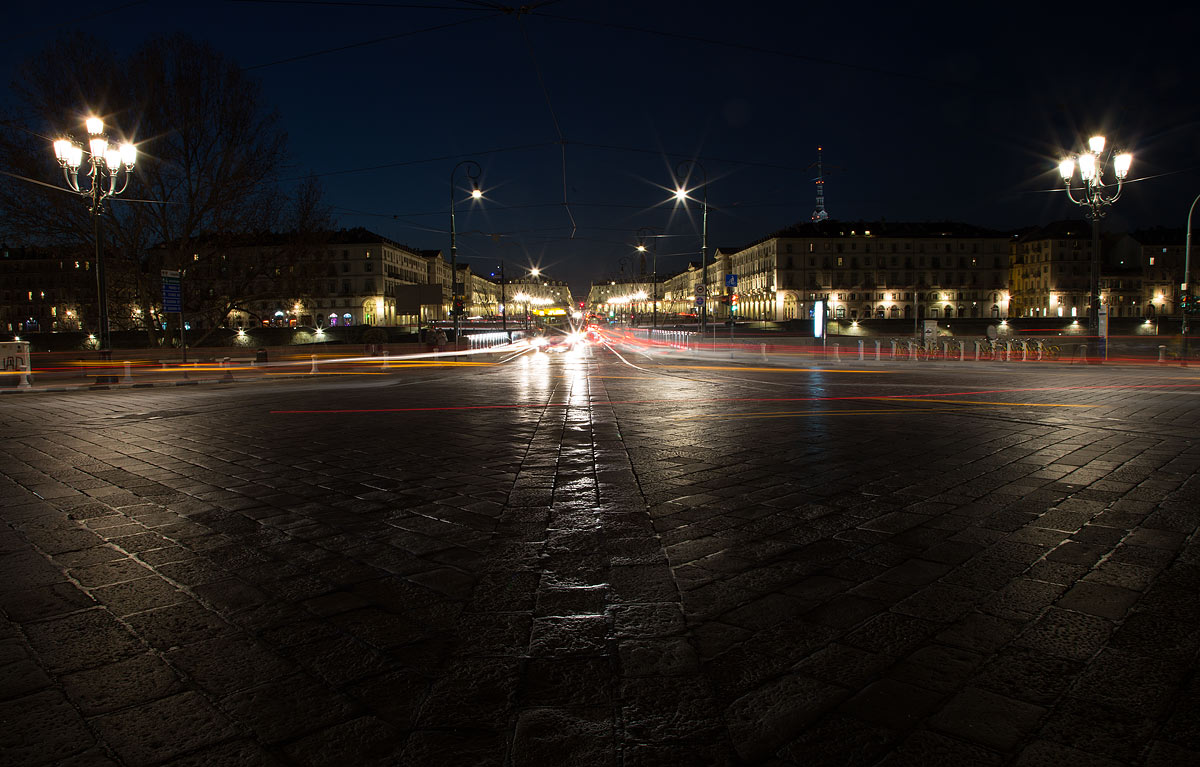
<point x="458" y="306"/>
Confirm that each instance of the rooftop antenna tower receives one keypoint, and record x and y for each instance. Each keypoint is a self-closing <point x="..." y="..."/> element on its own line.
<point x="819" y="213"/>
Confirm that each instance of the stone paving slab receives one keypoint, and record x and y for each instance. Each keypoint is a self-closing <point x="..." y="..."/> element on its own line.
<point x="590" y="559"/>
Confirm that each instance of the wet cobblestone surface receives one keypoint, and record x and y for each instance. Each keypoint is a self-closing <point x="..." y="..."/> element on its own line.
<point x="591" y="559"/>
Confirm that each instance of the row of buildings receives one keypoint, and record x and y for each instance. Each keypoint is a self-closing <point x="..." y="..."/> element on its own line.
<point x="876" y="270"/>
<point x="860" y="270"/>
<point x="347" y="277"/>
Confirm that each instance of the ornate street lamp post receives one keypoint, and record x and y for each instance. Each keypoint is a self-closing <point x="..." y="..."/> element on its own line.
<point x="642" y="235"/>
<point x="105" y="163"/>
<point x="1095" y="197"/>
<point x="683" y="170"/>
<point x="456" y="300"/>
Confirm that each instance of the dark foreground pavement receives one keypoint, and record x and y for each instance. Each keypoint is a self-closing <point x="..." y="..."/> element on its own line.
<point x="567" y="560"/>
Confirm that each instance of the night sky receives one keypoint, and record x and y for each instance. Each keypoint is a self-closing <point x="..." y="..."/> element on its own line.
<point x="925" y="113"/>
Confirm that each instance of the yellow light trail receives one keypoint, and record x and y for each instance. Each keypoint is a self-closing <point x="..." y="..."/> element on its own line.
<point x="772" y="370"/>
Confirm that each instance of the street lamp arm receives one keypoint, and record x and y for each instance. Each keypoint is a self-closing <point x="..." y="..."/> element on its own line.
<point x="124" y="185"/>
<point x="72" y="178"/>
<point x="1071" y="195"/>
<point x="1116" y="195"/>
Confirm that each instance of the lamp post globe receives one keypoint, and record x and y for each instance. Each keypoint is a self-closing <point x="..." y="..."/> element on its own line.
<point x="107" y="165"/>
<point x="1095" y="196"/>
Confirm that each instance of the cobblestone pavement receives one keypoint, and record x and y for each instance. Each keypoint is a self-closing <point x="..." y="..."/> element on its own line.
<point x="601" y="559"/>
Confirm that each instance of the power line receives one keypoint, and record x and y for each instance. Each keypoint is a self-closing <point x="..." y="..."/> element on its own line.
<point x="364" y="43"/>
<point x="557" y="128"/>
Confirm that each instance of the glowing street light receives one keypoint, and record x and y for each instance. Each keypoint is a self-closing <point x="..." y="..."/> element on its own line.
<point x="106" y="164"/>
<point x="681" y="196"/>
<point x="523" y="298"/>
<point x="456" y="300"/>
<point x="642" y="235"/>
<point x="1095" y="197"/>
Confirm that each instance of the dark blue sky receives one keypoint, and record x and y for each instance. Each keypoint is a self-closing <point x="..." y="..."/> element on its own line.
<point x="925" y="113"/>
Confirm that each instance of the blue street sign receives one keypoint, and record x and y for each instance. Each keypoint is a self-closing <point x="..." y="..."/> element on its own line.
<point x="172" y="292"/>
<point x="731" y="280"/>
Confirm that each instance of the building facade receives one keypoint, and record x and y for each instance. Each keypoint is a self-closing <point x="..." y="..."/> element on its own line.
<point x="866" y="270"/>
<point x="1139" y="272"/>
<point x="1161" y="258"/>
<point x="630" y="300"/>
<point x="54" y="289"/>
<point x="348" y="277"/>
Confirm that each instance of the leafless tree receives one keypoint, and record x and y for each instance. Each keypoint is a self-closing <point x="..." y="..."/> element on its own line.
<point x="210" y="152"/>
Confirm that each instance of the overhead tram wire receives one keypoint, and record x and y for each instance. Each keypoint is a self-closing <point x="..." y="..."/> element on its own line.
<point x="365" y="43"/>
<point x="63" y="189"/>
<point x="549" y="105"/>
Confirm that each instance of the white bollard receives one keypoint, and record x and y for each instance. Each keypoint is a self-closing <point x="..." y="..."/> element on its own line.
<point x="877" y="345"/>
<point x="314" y="365"/>
<point x="860" y="351"/>
<point x="227" y="363"/>
<point x="762" y="352"/>
<point x="977" y="345"/>
<point x="384" y="366"/>
<point x="962" y="351"/>
<point x="1162" y="354"/>
<point x="893" y="349"/>
<point x="23" y="383"/>
<point x="1024" y="352"/>
<point x="128" y="375"/>
<point x="912" y="351"/>
<point x="836" y="356"/>
<point x="945" y="350"/>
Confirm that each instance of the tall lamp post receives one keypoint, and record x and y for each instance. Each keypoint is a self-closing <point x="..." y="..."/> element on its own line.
<point x="1095" y="197"/>
<point x="642" y="234"/>
<point x="682" y="170"/>
<point x="105" y="163"/>
<point x="473" y="172"/>
<point x="1186" y="285"/>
